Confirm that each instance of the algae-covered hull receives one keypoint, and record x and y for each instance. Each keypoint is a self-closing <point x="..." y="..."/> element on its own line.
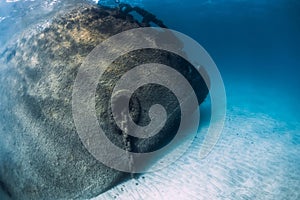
<point x="41" y="154"/>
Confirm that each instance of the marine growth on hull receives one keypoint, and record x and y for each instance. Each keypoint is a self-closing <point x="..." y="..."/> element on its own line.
<point x="42" y="156"/>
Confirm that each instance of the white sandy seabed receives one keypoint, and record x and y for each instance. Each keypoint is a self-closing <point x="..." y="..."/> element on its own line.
<point x="256" y="157"/>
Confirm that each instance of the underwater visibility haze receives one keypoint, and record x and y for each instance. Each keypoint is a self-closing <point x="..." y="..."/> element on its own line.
<point x="256" y="47"/>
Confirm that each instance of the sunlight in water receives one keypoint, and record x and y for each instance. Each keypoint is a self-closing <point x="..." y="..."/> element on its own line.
<point x="255" y="45"/>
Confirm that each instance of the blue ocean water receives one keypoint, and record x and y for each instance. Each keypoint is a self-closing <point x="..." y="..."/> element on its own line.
<point x="256" y="46"/>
